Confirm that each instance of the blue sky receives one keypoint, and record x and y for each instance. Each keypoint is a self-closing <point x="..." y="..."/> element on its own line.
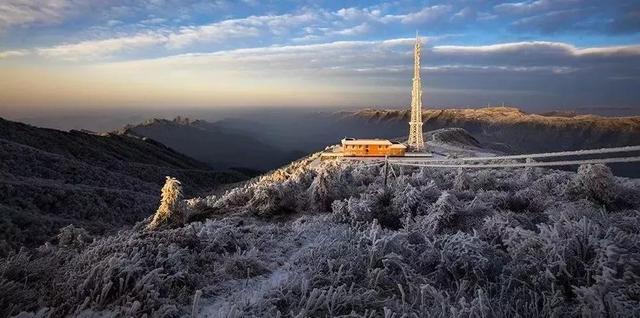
<point x="81" y="55"/>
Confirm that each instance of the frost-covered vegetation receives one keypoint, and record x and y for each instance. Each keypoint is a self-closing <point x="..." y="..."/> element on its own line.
<point x="50" y="179"/>
<point x="172" y="208"/>
<point x="323" y="239"/>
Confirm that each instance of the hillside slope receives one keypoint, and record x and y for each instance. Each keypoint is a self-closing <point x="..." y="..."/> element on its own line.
<point x="219" y="147"/>
<point x="322" y="239"/>
<point x="50" y="179"/>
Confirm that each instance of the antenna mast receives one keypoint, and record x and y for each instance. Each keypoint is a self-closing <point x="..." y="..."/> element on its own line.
<point x="416" y="141"/>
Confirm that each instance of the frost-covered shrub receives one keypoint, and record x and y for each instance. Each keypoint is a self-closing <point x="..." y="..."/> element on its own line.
<point x="493" y="229"/>
<point x="594" y="182"/>
<point x="340" y="211"/>
<point x="275" y="198"/>
<point x="280" y="192"/>
<point x="486" y="179"/>
<point x="464" y="257"/>
<point x="524" y="248"/>
<point x="198" y="208"/>
<point x="430" y="192"/>
<point x="575" y="211"/>
<point x="426" y="246"/>
<point x="443" y="178"/>
<point x="529" y="174"/>
<point x="382" y="210"/>
<point x="367" y="208"/>
<point x="353" y="210"/>
<point x="461" y="182"/>
<point x="234" y="198"/>
<point x="442" y="215"/>
<point x="329" y="184"/>
<point x="14" y="298"/>
<point x="571" y="249"/>
<point x="364" y="175"/>
<point x="616" y="282"/>
<point x="172" y="209"/>
<point x="552" y="184"/>
<point x="72" y="236"/>
<point x="244" y="265"/>
<point x="408" y="200"/>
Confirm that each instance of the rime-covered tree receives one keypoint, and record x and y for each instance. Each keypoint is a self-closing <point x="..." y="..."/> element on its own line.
<point x="172" y="209"/>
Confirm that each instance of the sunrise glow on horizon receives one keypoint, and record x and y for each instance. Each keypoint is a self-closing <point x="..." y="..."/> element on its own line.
<point x="87" y="55"/>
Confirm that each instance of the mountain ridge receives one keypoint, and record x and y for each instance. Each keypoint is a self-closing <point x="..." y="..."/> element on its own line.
<point x="213" y="144"/>
<point x="512" y="131"/>
<point x="51" y="178"/>
<point x="498" y="114"/>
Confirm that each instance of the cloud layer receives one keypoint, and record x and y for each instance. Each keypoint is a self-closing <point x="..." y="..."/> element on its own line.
<point x="536" y="53"/>
<point x="25" y="12"/>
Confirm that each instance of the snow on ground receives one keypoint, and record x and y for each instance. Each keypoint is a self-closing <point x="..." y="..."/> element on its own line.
<point x="329" y="240"/>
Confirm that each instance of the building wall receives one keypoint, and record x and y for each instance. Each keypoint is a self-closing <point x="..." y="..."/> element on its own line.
<point x="397" y="152"/>
<point x="371" y="151"/>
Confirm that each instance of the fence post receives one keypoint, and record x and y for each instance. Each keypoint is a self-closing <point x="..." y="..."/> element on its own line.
<point x="386" y="170"/>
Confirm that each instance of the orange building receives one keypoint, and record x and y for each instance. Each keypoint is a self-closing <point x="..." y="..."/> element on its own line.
<point x="352" y="147"/>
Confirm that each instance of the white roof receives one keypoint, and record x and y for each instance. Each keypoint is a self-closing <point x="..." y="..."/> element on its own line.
<point x="380" y="142"/>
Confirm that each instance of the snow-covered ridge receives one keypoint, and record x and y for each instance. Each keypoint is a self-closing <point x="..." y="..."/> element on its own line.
<point x="325" y="239"/>
<point x="504" y="115"/>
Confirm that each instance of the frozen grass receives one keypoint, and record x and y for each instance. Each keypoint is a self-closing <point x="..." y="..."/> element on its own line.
<point x="330" y="240"/>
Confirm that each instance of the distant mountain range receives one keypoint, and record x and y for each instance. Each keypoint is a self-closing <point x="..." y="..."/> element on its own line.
<point x="214" y="144"/>
<point x="50" y="179"/>
<point x="268" y="142"/>
<point x="512" y="130"/>
<point x="505" y="129"/>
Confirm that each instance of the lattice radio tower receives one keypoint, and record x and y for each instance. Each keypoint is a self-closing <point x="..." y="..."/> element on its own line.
<point x="416" y="141"/>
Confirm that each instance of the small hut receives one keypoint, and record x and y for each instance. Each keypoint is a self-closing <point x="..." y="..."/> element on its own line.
<point x="352" y="147"/>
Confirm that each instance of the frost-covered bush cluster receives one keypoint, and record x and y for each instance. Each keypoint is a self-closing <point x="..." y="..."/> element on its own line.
<point x="50" y="179"/>
<point x="327" y="239"/>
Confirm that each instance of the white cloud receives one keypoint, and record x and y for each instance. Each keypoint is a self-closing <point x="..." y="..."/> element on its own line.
<point x="620" y="51"/>
<point x="540" y="48"/>
<point x="152" y="21"/>
<point x="101" y="48"/>
<point x="356" y="30"/>
<point x="524" y="7"/>
<point x="357" y="14"/>
<point x="26" y="12"/>
<point x="250" y="27"/>
<point x="375" y="69"/>
<point x="464" y="14"/>
<point x="427" y="14"/>
<point x="13" y="53"/>
<point x="346" y="58"/>
<point x="538" y="6"/>
<point x="210" y="33"/>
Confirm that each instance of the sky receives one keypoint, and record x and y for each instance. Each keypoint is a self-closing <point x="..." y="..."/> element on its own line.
<point x="87" y="56"/>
